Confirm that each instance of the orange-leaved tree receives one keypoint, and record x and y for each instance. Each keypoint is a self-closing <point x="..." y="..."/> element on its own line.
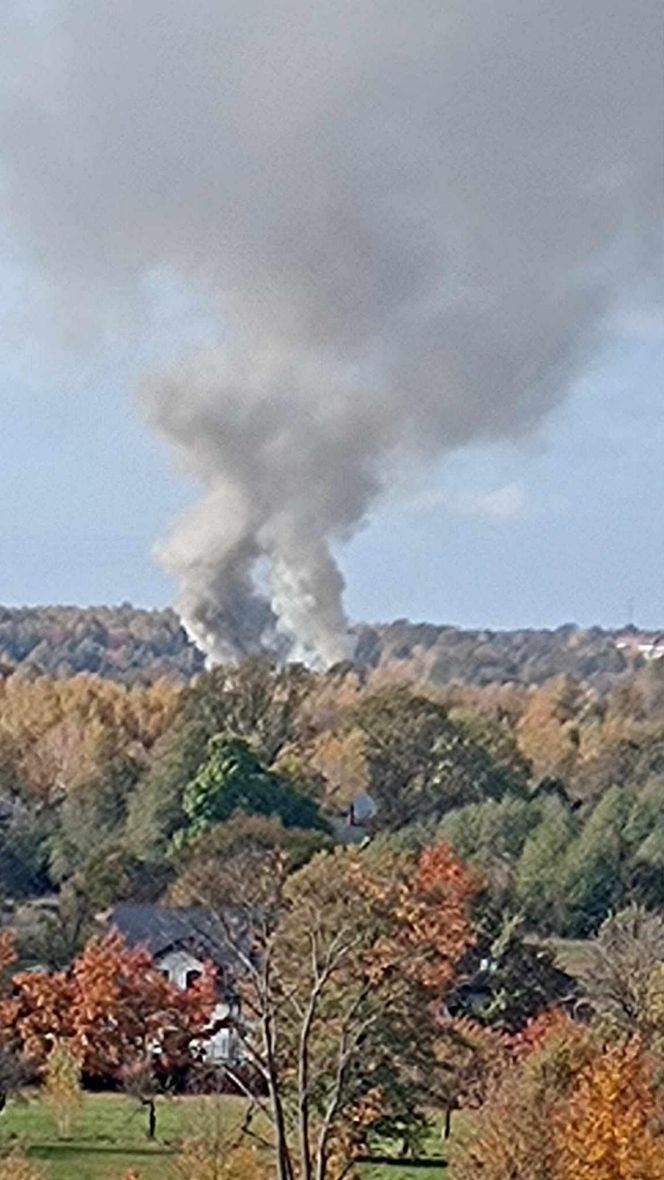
<point x="609" y="1128"/>
<point x="123" y="1007"/>
<point x="110" y="1008"/>
<point x="13" y="1073"/>
<point x="7" y="951"/>
<point x="515" y="1131"/>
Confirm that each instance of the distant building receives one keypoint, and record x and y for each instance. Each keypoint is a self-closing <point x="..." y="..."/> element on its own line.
<point x="358" y="823"/>
<point x="181" y="940"/>
<point x="648" y="645"/>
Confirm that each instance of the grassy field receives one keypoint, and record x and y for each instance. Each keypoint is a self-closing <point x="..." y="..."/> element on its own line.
<point x="108" y="1138"/>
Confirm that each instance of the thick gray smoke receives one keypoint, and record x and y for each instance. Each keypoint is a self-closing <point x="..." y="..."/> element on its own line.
<point x="411" y="219"/>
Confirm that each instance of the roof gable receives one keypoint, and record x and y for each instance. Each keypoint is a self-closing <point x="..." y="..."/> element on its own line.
<point x="163" y="928"/>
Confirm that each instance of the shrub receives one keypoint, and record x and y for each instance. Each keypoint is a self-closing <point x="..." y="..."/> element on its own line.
<point x="62" y="1086"/>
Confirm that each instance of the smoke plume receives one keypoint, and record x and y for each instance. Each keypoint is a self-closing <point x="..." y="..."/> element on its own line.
<point x="411" y="220"/>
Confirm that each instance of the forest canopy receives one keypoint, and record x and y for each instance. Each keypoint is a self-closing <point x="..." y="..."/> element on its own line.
<point x="140" y="646"/>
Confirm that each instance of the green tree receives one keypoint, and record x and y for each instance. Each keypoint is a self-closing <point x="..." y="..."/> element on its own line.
<point x="595" y="868"/>
<point x="540" y="887"/>
<point x="58" y="934"/>
<point x="254" y="700"/>
<point x="155" y="812"/>
<point x="25" y="833"/>
<point x="253" y="839"/>
<point x="234" y="779"/>
<point x="14" y="1074"/>
<point x="492" y="835"/>
<point x="92" y="814"/>
<point x="420" y="763"/>
<point x="498" y="738"/>
<point x="644" y="834"/>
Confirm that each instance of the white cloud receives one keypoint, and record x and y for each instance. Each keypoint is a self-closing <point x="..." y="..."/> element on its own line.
<point x="499" y="505"/>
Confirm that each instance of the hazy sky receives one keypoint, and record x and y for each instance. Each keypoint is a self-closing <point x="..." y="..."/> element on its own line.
<point x="364" y="239"/>
<point x="568" y="525"/>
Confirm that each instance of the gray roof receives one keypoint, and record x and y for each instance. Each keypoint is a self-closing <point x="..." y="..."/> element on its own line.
<point x="160" y="928"/>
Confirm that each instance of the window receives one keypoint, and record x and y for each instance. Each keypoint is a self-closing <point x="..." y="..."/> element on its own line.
<point x="190" y="978"/>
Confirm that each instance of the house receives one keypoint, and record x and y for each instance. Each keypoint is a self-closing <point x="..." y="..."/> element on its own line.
<point x="358" y="824"/>
<point x="648" y="645"/>
<point x="181" y="940"/>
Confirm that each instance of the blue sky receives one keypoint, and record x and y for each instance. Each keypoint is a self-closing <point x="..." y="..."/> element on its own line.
<point x="565" y="526"/>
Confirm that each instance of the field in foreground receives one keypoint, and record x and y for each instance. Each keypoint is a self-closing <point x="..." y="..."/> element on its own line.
<point x="108" y="1138"/>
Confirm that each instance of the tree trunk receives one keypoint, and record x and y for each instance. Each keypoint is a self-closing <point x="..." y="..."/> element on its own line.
<point x="448" y="1122"/>
<point x="283" y="1160"/>
<point x="284" y="1166"/>
<point x="152" y="1116"/>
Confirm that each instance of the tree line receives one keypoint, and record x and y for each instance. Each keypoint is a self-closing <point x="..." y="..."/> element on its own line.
<point x="553" y="793"/>
<point x="132" y="646"/>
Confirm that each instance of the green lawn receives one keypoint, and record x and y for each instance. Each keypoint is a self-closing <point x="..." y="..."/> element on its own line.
<point x="108" y="1138"/>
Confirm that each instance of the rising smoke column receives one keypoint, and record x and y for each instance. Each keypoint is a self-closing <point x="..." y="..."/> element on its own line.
<point x="411" y="220"/>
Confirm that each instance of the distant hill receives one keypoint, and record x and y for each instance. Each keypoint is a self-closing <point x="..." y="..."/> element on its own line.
<point x="118" y="642"/>
<point x="439" y="654"/>
<point x="140" y="646"/>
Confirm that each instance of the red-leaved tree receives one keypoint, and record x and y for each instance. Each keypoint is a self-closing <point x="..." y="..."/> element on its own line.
<point x="112" y="1007"/>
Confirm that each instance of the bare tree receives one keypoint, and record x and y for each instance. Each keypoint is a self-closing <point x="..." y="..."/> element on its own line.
<point x="335" y="965"/>
<point x="622" y="961"/>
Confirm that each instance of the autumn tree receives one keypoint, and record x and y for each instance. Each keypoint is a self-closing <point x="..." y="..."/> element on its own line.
<point x="548" y="731"/>
<point x="339" y="758"/>
<point x="13" y="1069"/>
<point x="338" y="966"/>
<point x="112" y="1007"/>
<point x="622" y="970"/>
<point x="200" y="1159"/>
<point x="511" y="1138"/>
<point x="609" y="1128"/>
<point x="16" y="1167"/>
<point x="123" y="1007"/>
<point x="515" y="1131"/>
<point x="215" y="1146"/>
<point x="59" y="734"/>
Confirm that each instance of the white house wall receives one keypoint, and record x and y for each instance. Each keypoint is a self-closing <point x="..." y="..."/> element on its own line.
<point x="177" y="965"/>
